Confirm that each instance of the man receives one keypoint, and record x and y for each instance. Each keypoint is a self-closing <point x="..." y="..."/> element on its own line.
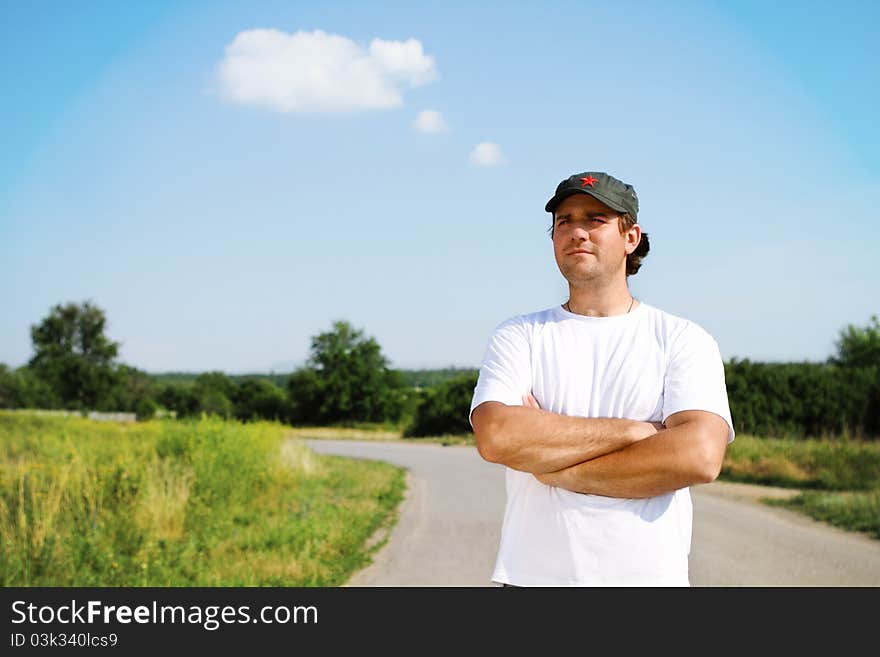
<point x="604" y="410"/>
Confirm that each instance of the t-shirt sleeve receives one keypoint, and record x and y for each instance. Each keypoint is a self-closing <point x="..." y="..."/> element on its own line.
<point x="505" y="371"/>
<point x="695" y="377"/>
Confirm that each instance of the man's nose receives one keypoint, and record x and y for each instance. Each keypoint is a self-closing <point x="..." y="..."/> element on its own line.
<point x="581" y="233"/>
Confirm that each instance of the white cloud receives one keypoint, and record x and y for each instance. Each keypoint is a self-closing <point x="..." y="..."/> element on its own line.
<point x="316" y="72"/>
<point x="404" y="59"/>
<point x="430" y="121"/>
<point x="487" y="154"/>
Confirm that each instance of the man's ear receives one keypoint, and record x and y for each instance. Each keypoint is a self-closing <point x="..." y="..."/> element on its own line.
<point x="633" y="237"/>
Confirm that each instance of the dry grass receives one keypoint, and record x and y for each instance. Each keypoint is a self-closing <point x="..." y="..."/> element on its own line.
<point x="161" y="505"/>
<point x="296" y="456"/>
<point x="343" y="433"/>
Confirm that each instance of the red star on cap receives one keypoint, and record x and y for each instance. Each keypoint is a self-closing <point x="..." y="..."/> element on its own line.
<point x="589" y="180"/>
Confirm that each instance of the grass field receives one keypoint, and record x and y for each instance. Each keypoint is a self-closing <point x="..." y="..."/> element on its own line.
<point x="182" y="503"/>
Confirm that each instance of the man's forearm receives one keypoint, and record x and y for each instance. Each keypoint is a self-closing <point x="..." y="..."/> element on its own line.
<point x="677" y="457"/>
<point x="538" y="441"/>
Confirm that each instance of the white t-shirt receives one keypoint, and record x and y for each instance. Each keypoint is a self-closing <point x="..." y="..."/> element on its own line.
<point x="643" y="365"/>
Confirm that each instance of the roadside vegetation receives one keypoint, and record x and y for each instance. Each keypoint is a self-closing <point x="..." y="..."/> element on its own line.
<point x="838" y="479"/>
<point x="205" y="502"/>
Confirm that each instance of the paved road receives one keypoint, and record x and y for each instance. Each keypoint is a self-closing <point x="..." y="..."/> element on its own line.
<point x="450" y="524"/>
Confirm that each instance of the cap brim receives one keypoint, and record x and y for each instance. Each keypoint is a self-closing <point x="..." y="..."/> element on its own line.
<point x="559" y="198"/>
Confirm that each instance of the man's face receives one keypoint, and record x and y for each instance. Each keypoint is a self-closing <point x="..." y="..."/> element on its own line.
<point x="587" y="243"/>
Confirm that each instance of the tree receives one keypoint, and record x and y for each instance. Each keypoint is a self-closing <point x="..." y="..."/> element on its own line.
<point x="8" y="392"/>
<point x="180" y="398"/>
<point x="445" y="408"/>
<point x="305" y="394"/>
<point x="859" y="347"/>
<point x="256" y="399"/>
<point x="23" y="389"/>
<point x="214" y="391"/>
<point x="346" y="378"/>
<point x="73" y="356"/>
<point x="136" y="393"/>
<point x="216" y="381"/>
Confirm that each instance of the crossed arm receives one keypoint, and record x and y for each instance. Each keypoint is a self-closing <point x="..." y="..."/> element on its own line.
<point x="613" y="457"/>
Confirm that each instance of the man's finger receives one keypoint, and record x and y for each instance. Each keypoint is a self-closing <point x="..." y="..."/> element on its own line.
<point x="529" y="400"/>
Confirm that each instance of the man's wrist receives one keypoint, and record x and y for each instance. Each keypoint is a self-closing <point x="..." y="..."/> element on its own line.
<point x="570" y="479"/>
<point x="637" y="431"/>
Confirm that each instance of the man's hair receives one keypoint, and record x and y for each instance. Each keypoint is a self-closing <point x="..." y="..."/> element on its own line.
<point x="634" y="259"/>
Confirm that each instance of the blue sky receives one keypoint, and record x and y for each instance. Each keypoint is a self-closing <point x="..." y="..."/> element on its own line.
<point x="226" y="179"/>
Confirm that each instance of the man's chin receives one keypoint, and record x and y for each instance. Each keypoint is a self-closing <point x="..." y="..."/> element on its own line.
<point x="580" y="276"/>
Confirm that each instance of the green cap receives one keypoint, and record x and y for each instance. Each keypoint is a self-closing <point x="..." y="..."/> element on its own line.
<point x="598" y="184"/>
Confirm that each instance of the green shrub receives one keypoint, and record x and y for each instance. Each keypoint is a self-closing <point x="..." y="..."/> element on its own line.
<point x="803" y="399"/>
<point x="444" y="408"/>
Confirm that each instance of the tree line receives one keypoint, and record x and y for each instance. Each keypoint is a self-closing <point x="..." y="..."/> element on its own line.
<point x="347" y="380"/>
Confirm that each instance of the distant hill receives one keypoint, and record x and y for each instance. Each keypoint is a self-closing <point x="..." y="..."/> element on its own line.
<point x="431" y="377"/>
<point x="421" y="378"/>
<point x="184" y="378"/>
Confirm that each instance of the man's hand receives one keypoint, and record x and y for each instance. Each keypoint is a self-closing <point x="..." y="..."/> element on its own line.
<point x="530" y="401"/>
<point x="564" y="479"/>
<point x="550" y="478"/>
<point x="558" y="478"/>
<point x="527" y="438"/>
<point x="649" y="428"/>
<point x="689" y="451"/>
